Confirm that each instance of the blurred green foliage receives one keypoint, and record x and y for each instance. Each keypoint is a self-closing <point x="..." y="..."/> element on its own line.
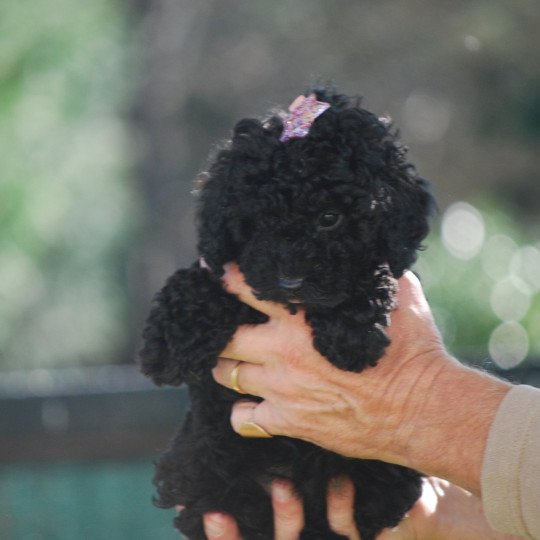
<point x="481" y="273"/>
<point x="66" y="209"/>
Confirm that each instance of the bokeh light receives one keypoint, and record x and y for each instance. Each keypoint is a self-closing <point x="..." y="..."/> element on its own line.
<point x="463" y="230"/>
<point x="497" y="253"/>
<point x="525" y="263"/>
<point x="510" y="299"/>
<point x="426" y="117"/>
<point x="481" y="274"/>
<point x="472" y="43"/>
<point x="508" y="345"/>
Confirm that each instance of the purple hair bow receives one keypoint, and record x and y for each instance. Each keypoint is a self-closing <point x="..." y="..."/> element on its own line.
<point x="303" y="112"/>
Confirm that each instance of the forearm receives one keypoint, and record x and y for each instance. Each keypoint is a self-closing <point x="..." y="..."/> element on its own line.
<point x="450" y="419"/>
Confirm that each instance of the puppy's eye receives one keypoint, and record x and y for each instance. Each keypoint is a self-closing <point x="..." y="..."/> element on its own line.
<point x="329" y="221"/>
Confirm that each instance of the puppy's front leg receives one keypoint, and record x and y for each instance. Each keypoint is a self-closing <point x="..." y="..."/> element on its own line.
<point x="349" y="339"/>
<point x="190" y="323"/>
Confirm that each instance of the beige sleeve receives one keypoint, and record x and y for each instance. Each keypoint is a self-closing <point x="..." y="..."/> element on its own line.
<point x="511" y="467"/>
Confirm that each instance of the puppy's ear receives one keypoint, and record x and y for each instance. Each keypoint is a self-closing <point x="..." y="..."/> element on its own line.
<point x="407" y="208"/>
<point x="229" y="192"/>
<point x="215" y="242"/>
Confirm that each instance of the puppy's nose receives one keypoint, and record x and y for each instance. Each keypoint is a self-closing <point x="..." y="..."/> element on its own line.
<point x="290" y="283"/>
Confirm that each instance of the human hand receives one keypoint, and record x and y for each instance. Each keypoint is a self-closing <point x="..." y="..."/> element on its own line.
<point x="418" y="407"/>
<point x="289" y="513"/>
<point x="444" y="512"/>
<point x="356" y="415"/>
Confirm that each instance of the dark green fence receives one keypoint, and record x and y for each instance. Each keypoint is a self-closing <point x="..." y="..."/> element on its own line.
<point x="72" y="501"/>
<point x="76" y="454"/>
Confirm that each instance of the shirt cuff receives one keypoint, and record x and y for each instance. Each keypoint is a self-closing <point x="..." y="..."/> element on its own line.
<point x="511" y="467"/>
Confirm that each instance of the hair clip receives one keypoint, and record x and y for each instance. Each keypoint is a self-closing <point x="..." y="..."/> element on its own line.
<point x="303" y="112"/>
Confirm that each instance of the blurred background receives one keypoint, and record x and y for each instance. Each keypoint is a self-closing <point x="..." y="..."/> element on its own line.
<point x="108" y="110"/>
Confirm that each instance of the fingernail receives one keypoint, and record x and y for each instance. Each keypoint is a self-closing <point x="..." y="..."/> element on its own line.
<point x="215" y="524"/>
<point x="281" y="491"/>
<point x="338" y="483"/>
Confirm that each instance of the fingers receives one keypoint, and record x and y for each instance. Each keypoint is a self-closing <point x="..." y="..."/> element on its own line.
<point x="234" y="283"/>
<point x="249" y="412"/>
<point x="409" y="281"/>
<point x="410" y="291"/>
<point x="220" y="526"/>
<point x="288" y="516"/>
<point x="246" y="376"/>
<point x="340" y="507"/>
<point x="249" y="343"/>
<point x="288" y="511"/>
<point x="413" y="316"/>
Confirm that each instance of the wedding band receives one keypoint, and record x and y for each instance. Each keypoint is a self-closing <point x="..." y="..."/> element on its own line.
<point x="254" y="431"/>
<point x="234" y="380"/>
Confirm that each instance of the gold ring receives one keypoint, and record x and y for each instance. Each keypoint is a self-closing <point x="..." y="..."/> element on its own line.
<point x="235" y="385"/>
<point x="254" y="431"/>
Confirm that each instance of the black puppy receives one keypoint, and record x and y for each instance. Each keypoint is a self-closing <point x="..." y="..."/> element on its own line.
<point x="324" y="221"/>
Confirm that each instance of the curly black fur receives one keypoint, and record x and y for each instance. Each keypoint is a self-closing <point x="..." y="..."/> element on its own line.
<point x="325" y="223"/>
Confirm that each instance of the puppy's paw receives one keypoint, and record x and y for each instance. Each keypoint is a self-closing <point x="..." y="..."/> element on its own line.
<point x="190" y="323"/>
